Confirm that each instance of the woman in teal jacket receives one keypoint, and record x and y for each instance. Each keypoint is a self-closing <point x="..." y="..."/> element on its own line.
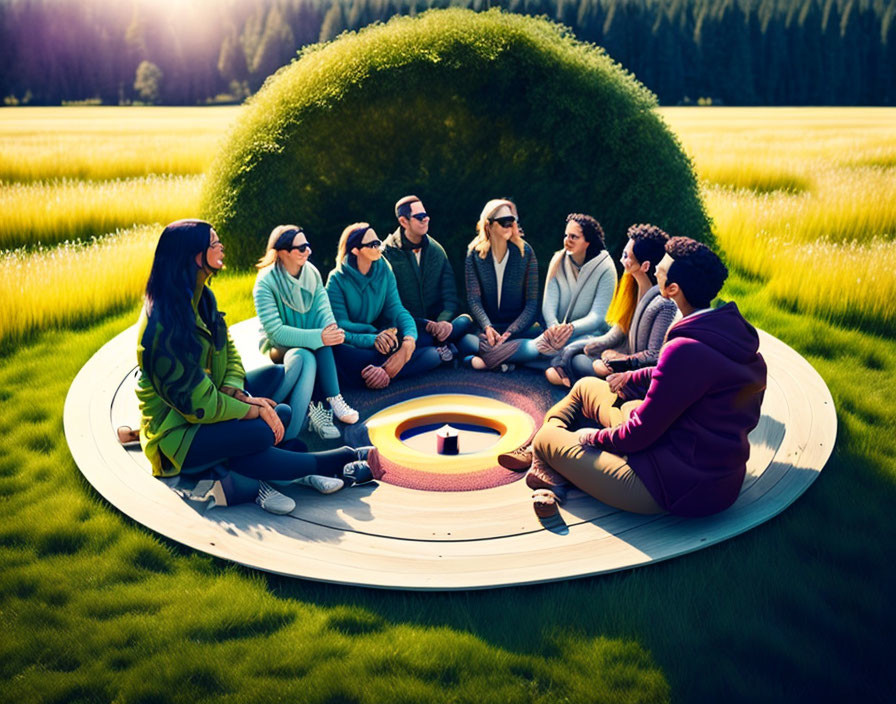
<point x="197" y="405"/>
<point x="380" y="335"/>
<point x="298" y="331"/>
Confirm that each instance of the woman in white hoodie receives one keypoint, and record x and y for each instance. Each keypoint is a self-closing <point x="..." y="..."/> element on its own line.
<point x="578" y="290"/>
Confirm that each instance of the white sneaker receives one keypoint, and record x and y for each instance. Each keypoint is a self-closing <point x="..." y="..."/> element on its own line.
<point x="321" y="422"/>
<point x="325" y="485"/>
<point x="343" y="412"/>
<point x="273" y="501"/>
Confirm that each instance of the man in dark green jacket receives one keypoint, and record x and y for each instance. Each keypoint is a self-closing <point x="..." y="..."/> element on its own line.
<point x="425" y="279"/>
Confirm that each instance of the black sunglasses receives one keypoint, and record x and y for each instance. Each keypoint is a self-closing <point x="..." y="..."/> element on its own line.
<point x="420" y="216"/>
<point x="373" y="244"/>
<point x="301" y="247"/>
<point x="505" y="221"/>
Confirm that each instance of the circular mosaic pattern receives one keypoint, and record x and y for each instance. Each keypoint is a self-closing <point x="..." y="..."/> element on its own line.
<point x="524" y="397"/>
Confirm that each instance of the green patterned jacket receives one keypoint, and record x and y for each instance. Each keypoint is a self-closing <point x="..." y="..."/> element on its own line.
<point x="177" y="395"/>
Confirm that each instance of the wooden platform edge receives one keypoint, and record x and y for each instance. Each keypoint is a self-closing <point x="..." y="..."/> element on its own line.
<point x="86" y="449"/>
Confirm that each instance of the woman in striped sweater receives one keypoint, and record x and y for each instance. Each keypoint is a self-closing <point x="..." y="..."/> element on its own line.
<point x="640" y="317"/>
<point x="299" y="331"/>
<point x="501" y="274"/>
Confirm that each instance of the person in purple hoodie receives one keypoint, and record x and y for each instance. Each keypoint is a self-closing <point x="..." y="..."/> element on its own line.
<point x="683" y="449"/>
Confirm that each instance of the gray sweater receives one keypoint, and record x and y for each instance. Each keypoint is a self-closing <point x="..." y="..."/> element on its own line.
<point x="653" y="317"/>
<point x="582" y="301"/>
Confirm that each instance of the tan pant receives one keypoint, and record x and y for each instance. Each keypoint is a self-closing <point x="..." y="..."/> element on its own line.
<point x="603" y="475"/>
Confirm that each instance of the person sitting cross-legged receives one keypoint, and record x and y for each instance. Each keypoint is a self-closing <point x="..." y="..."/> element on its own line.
<point x="501" y="274"/>
<point x="684" y="448"/>
<point x="577" y="293"/>
<point x="380" y="335"/>
<point x="639" y="314"/>
<point x="200" y="411"/>
<point x="298" y="330"/>
<point x="425" y="279"/>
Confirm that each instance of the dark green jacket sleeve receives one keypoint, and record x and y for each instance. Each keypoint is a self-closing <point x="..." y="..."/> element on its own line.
<point x="394" y="311"/>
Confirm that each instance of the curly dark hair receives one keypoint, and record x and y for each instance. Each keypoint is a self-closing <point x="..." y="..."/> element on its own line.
<point x="648" y="245"/>
<point x="592" y="231"/>
<point x="696" y="269"/>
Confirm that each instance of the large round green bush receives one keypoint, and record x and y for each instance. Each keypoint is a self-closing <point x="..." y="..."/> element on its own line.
<point x="456" y="107"/>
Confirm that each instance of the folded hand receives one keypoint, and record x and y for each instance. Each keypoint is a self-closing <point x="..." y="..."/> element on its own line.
<point x="439" y="330"/>
<point x="332" y="335"/>
<point x="592" y="349"/>
<point x="561" y="336"/>
<point x="386" y="341"/>
<point x="617" y="382"/>
<point x="269" y="416"/>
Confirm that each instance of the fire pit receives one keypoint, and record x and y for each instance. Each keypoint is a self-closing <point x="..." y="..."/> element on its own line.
<point x="427" y="441"/>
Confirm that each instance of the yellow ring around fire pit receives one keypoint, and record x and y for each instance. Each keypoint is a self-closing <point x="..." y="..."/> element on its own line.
<point x="386" y="426"/>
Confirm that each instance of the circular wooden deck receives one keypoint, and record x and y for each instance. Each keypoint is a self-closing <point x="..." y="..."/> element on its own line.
<point x="386" y="536"/>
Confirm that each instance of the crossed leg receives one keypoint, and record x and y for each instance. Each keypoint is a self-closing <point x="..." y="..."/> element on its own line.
<point x="603" y="475"/>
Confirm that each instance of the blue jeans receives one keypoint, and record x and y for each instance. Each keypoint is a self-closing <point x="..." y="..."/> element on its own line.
<point x="459" y="327"/>
<point x="351" y="360"/>
<point x="247" y="446"/>
<point x="306" y="374"/>
<point x="528" y="354"/>
<point x="469" y="344"/>
<point x="582" y="366"/>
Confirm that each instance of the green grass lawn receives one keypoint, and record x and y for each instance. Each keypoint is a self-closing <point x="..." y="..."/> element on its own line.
<point x="96" y="608"/>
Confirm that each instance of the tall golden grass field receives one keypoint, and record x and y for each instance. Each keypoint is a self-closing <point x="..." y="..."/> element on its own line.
<point x="72" y="283"/>
<point x="803" y="199"/>
<point x="99" y="143"/>
<point x="49" y="212"/>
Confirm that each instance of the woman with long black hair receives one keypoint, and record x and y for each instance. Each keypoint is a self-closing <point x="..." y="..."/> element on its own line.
<point x="199" y="408"/>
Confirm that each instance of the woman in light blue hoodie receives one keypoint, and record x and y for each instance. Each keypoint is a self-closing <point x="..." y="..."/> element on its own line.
<point x="299" y="331"/>
<point x="578" y="290"/>
<point x="380" y="335"/>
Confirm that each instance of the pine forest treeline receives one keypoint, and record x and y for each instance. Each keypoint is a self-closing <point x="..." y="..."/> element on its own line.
<point x="736" y="52"/>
